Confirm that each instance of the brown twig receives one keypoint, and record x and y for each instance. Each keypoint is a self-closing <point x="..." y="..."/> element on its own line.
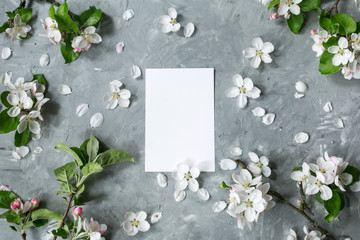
<point x="21" y="5"/>
<point x="23" y="236"/>
<point x="334" y="7"/>
<point x="303" y="205"/>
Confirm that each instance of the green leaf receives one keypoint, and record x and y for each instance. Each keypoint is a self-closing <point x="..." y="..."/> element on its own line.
<point x="78" y="151"/>
<point x="10" y="15"/>
<point x="308" y="5"/>
<point x="81" y="189"/>
<point x="273" y="3"/>
<point x="91" y="16"/>
<point x="52" y="12"/>
<point x="91" y="168"/>
<point x="113" y="156"/>
<point x="68" y="53"/>
<point x="326" y="23"/>
<point x="295" y="22"/>
<point x="331" y="42"/>
<point x="7" y="123"/>
<point x="42" y="214"/>
<point x="13" y="217"/>
<point x="25" y="14"/>
<point x="23" y="138"/>
<point x="13" y="228"/>
<point x="29" y="35"/>
<point x="92" y="148"/>
<point x="66" y="24"/>
<point x="345" y="22"/>
<point x="224" y="186"/>
<point x="63" y="9"/>
<point x="83" y="148"/>
<point x="60" y="233"/>
<point x="4" y="26"/>
<point x="4" y="100"/>
<point x="66" y="187"/>
<point x="326" y="67"/>
<point x="40" y="222"/>
<point x="318" y="198"/>
<point x="333" y="207"/>
<point x="6" y="198"/>
<point x="342" y="198"/>
<point x="65" y="172"/>
<point x="65" y="148"/>
<point x="297" y="169"/>
<point x="354" y="172"/>
<point x="40" y="78"/>
<point x="4" y="214"/>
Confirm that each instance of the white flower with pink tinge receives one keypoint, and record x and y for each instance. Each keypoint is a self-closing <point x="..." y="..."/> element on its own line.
<point x="19" y="30"/>
<point x="117" y="96"/>
<point x="51" y="29"/>
<point x="259" y="52"/>
<point x="84" y="41"/>
<point x="186" y="176"/>
<point x="135" y="222"/>
<point x="289" y="6"/>
<point x="93" y="229"/>
<point x="19" y="101"/>
<point x="31" y="120"/>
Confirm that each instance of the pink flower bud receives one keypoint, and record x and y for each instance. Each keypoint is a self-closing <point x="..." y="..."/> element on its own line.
<point x="313" y="32"/>
<point x="5" y="188"/>
<point x="274" y="16"/>
<point x="35" y="202"/>
<point x="77" y="211"/>
<point x="16" y="204"/>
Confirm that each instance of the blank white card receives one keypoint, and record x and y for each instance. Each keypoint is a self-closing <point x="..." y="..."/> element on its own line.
<point x="179" y="119"/>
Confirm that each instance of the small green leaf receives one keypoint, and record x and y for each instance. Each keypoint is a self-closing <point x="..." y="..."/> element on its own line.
<point x="60" y="233"/>
<point x="326" y="67"/>
<point x="4" y="100"/>
<point x="83" y="148"/>
<point x="331" y="42"/>
<point x="318" y="198"/>
<point x="13" y="217"/>
<point x="91" y="168"/>
<point x="10" y="15"/>
<point x="113" y="156"/>
<point x="224" y="186"/>
<point x="6" y="198"/>
<point x="65" y="172"/>
<point x="81" y="189"/>
<point x="308" y="5"/>
<point x="78" y="151"/>
<point x="23" y="138"/>
<point x="46" y="214"/>
<point x="297" y="169"/>
<point x="295" y="22"/>
<point x="333" y="207"/>
<point x="91" y="16"/>
<point x="92" y="148"/>
<point x="273" y="3"/>
<point x="68" y="53"/>
<point x="65" y="148"/>
<point x="4" y="214"/>
<point x="7" y="123"/>
<point x="40" y="78"/>
<point x="346" y="23"/>
<point x="4" y="26"/>
<point x="354" y="172"/>
<point x="40" y="222"/>
<point x="326" y="23"/>
<point x="29" y="35"/>
<point x="77" y="201"/>
<point x="52" y="12"/>
<point x="66" y="187"/>
<point x="63" y="9"/>
<point x="25" y="14"/>
<point x="13" y="228"/>
<point x="66" y="24"/>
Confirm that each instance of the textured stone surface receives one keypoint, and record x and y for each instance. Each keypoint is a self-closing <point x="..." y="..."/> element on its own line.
<point x="224" y="28"/>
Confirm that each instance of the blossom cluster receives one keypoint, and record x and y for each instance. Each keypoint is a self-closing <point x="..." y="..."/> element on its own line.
<point x="16" y="26"/>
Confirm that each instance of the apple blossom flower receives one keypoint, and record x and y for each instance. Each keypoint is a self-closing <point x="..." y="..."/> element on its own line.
<point x="326" y="167"/>
<point x="29" y="119"/>
<point x="135" y="223"/>
<point x="342" y="179"/>
<point x="245" y="181"/>
<point x="19" y="29"/>
<point x="342" y="53"/>
<point x="51" y="29"/>
<point x="186" y="176"/>
<point x="84" y="41"/>
<point x="26" y="207"/>
<point x="313" y="235"/>
<point x="93" y="229"/>
<point x="320" y="38"/>
<point x="259" y="52"/>
<point x="20" y="152"/>
<point x="317" y="184"/>
<point x="5" y="188"/>
<point x="259" y="165"/>
<point x="243" y="89"/>
<point x="116" y="96"/>
<point x="313" y="32"/>
<point x="16" y="204"/>
<point x="351" y="70"/>
<point x="19" y="101"/>
<point x="289" y="6"/>
<point x="251" y="205"/>
<point x="77" y="211"/>
<point x="169" y="22"/>
<point x="355" y="41"/>
<point x="301" y="175"/>
<point x="266" y="198"/>
<point x="20" y="84"/>
<point x="35" y="202"/>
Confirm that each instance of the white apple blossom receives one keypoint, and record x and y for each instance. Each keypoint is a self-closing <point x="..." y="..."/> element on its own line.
<point x="84" y="41"/>
<point x="266" y="198"/>
<point x="93" y="229"/>
<point x="243" y="89"/>
<point x="19" y="101"/>
<point x="116" y="96"/>
<point x="169" y="22"/>
<point x="31" y="121"/>
<point x="313" y="235"/>
<point x="259" y="52"/>
<point x="251" y="205"/>
<point x="326" y="167"/>
<point x="342" y="53"/>
<point x="259" y="165"/>
<point x="135" y="222"/>
<point x="317" y="184"/>
<point x="186" y="176"/>
<point x="342" y="179"/>
<point x="51" y="29"/>
<point x="351" y="70"/>
<point x="301" y="175"/>
<point x="19" y="29"/>
<point x="245" y="181"/>
<point x="242" y="221"/>
<point x="291" y="6"/>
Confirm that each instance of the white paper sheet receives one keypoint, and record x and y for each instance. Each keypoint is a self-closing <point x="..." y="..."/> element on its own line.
<point x="179" y="119"/>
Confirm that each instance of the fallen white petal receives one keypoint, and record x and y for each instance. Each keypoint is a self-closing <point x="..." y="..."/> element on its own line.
<point x="301" y="137"/>
<point x="236" y="151"/>
<point x="203" y="194"/>
<point x="338" y="123"/>
<point x="258" y="112"/>
<point x="162" y="180"/>
<point x="299" y="95"/>
<point x="189" y="30"/>
<point x="38" y="150"/>
<point x="156" y="217"/>
<point x="6" y="52"/>
<point x="135" y="72"/>
<point x="328" y="107"/>
<point x="128" y="14"/>
<point x="300" y="86"/>
<point x="219" y="206"/>
<point x="227" y="164"/>
<point x="268" y="118"/>
<point x="82" y="109"/>
<point x="120" y="47"/>
<point x="64" y="89"/>
<point x="44" y="60"/>
<point x="179" y="196"/>
<point x="355" y="187"/>
<point x="96" y="120"/>
<point x="20" y="152"/>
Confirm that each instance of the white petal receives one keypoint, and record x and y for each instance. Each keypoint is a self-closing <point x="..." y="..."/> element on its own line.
<point x="268" y="118"/>
<point x="144" y="226"/>
<point x="195" y="172"/>
<point x="266" y="171"/>
<point x="257" y="43"/>
<point x="64" y="89"/>
<point x="141" y="216"/>
<point x="253" y="93"/>
<point x="5" y="53"/>
<point x="181" y="184"/>
<point x="203" y="194"/>
<point x="219" y="206"/>
<point x="249" y="52"/>
<point x="258" y="112"/>
<point x="44" y="60"/>
<point x="82" y="109"/>
<point x="343" y="43"/>
<point x="128" y="14"/>
<point x="176" y="27"/>
<point x="38" y="150"/>
<point x="156" y="217"/>
<point x="135" y="72"/>
<point x="300" y="86"/>
<point x="179" y="196"/>
<point x="301" y="137"/>
<point x="227" y="164"/>
<point x="161" y="180"/>
<point x="96" y="120"/>
<point x="23" y="151"/>
<point x="236" y="151"/>
<point x="355" y="187"/>
<point x="238" y="80"/>
<point x="120" y="47"/>
<point x="193" y="185"/>
<point x="328" y="107"/>
<point x="338" y="123"/>
<point x="189" y="30"/>
<point x="253" y="157"/>
<point x="248" y="84"/>
<point x="254" y="169"/>
<point x="242" y="100"/>
<point x="255" y="62"/>
<point x="172" y="13"/>
<point x="124" y="103"/>
<point x="16" y="155"/>
<point x="326" y="192"/>
<point x="268" y="47"/>
<point x="232" y="92"/>
<point x="299" y="95"/>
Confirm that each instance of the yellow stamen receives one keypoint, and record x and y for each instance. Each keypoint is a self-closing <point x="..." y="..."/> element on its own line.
<point x="135" y="223"/>
<point x="259" y="53"/>
<point x="242" y="89"/>
<point x="187" y="176"/>
<point x="248" y="203"/>
<point x="318" y="183"/>
<point x="116" y="95"/>
<point x="173" y="21"/>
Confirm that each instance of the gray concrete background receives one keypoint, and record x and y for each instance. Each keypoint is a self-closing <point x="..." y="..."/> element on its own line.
<point x="224" y="29"/>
